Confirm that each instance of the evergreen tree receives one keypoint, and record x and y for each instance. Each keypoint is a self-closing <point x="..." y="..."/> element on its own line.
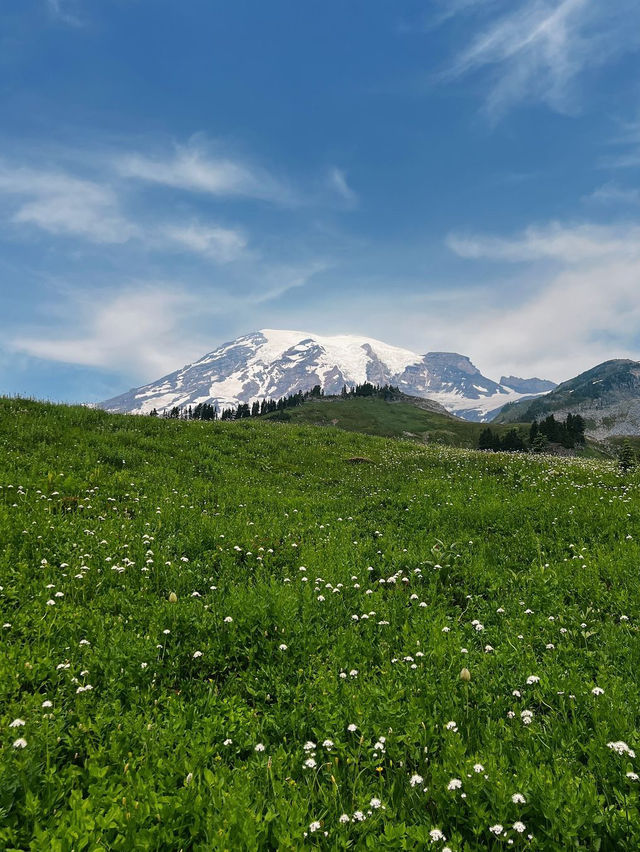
<point x="512" y="442"/>
<point x="627" y="459"/>
<point x="539" y="444"/>
<point x="486" y="441"/>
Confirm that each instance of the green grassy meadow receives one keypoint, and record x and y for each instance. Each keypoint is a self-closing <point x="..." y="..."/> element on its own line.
<point x="228" y="636"/>
<point x="376" y="416"/>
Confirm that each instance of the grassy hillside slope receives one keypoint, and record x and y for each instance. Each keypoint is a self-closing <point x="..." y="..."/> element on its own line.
<point x="227" y="636"/>
<point x="406" y="417"/>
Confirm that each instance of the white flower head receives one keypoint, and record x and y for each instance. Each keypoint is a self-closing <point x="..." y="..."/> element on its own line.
<point x="621" y="748"/>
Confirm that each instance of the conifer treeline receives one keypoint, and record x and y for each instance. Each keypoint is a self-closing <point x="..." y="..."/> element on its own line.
<point x="568" y="433"/>
<point x="206" y="411"/>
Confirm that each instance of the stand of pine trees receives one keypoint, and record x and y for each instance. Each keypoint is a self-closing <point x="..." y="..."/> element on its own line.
<point x="568" y="433"/>
<point x="510" y="442"/>
<point x="206" y="411"/>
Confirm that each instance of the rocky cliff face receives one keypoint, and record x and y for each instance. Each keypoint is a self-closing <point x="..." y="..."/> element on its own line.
<point x="607" y="397"/>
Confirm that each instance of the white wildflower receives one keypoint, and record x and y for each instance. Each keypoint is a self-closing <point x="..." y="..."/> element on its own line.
<point x="621" y="748"/>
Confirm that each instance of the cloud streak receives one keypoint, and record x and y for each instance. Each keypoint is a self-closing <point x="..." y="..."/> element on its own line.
<point x="58" y="9"/>
<point x="538" y="51"/>
<point x="139" y="328"/>
<point x="572" y="245"/>
<point x="588" y="298"/>
<point x="65" y="205"/>
<point x="194" y="168"/>
<point x="146" y="329"/>
<point x="222" y="245"/>
<point x="337" y="182"/>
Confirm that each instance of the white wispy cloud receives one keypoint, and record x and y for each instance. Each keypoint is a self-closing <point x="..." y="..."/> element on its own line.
<point x="62" y="10"/>
<point x="536" y="50"/>
<point x="63" y="204"/>
<point x="217" y="243"/>
<point x="280" y="279"/>
<point x="139" y="330"/>
<point x="337" y="182"/>
<point x="612" y="193"/>
<point x="626" y="146"/>
<point x="145" y="329"/>
<point x="197" y="167"/>
<point x="573" y="244"/>
<point x="582" y="310"/>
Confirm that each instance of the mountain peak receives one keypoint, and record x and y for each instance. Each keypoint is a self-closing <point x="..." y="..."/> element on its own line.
<point x="534" y="385"/>
<point x="273" y="363"/>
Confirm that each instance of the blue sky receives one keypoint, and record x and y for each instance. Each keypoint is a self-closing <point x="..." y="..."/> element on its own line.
<point x="447" y="174"/>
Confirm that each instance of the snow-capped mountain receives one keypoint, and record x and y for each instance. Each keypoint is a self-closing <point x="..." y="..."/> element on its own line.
<point x="270" y="364"/>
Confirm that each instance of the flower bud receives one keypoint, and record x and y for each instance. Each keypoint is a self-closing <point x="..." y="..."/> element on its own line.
<point x="465" y="675"/>
<point x="173" y="598"/>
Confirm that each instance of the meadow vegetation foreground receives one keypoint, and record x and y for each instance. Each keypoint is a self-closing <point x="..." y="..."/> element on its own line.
<point x="226" y="636"/>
